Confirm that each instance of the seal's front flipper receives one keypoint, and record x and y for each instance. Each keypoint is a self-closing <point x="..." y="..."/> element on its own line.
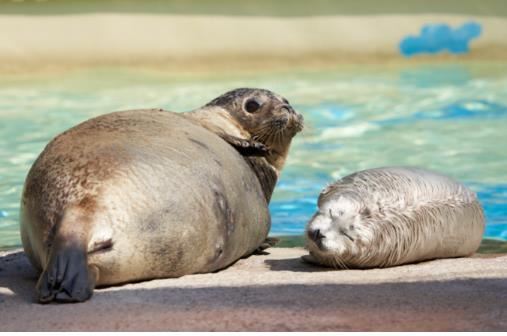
<point x="246" y="147"/>
<point x="269" y="242"/>
<point x="67" y="277"/>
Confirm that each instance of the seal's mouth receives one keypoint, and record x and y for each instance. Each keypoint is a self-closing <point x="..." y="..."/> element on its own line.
<point x="295" y="121"/>
<point x="315" y="237"/>
<point x="280" y="129"/>
<point x="324" y="255"/>
<point x="298" y="123"/>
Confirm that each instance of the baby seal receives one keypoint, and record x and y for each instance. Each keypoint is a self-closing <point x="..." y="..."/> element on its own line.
<point x="391" y="216"/>
<point x="144" y="194"/>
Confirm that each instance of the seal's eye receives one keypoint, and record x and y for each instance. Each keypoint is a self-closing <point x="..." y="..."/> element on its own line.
<point x="252" y="106"/>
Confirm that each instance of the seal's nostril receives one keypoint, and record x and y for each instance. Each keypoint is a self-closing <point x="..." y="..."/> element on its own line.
<point x="316" y="235"/>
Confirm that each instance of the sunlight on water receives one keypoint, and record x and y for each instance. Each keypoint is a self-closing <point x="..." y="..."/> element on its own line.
<point x="450" y="118"/>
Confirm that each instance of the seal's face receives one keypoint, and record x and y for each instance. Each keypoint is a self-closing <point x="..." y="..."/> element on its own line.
<point x="338" y="232"/>
<point x="268" y="117"/>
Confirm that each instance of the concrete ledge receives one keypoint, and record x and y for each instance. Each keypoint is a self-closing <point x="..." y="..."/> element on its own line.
<point x="276" y="292"/>
<point x="207" y="40"/>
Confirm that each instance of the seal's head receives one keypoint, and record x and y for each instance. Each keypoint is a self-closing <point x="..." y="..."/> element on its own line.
<point x="340" y="232"/>
<point x="264" y="116"/>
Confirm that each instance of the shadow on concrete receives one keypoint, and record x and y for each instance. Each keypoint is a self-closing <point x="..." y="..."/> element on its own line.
<point x="18" y="276"/>
<point x="295" y="265"/>
<point x="450" y="305"/>
<point x="457" y="305"/>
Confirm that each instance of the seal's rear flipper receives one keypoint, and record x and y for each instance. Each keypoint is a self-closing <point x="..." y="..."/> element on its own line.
<point x="67" y="276"/>
<point x="246" y="147"/>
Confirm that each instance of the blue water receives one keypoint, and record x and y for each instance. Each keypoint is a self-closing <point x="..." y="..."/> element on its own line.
<point x="449" y="118"/>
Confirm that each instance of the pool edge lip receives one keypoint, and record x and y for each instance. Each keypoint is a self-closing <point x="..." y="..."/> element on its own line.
<point x="294" y="241"/>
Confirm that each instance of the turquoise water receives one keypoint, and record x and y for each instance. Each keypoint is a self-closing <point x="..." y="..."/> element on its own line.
<point x="450" y="118"/>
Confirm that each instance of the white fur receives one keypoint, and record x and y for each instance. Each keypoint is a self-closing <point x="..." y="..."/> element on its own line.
<point x="390" y="216"/>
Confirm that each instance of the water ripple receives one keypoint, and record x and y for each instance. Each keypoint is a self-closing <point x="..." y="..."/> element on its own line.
<point x="450" y="119"/>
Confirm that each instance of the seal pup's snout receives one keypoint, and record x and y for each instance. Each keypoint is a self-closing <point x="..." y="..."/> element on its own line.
<point x="316" y="236"/>
<point x="317" y="230"/>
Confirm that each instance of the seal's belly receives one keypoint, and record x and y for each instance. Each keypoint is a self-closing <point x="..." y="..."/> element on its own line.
<point x="197" y="208"/>
<point x="197" y="218"/>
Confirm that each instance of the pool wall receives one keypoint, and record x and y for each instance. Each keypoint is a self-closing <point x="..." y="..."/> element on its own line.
<point x="37" y="35"/>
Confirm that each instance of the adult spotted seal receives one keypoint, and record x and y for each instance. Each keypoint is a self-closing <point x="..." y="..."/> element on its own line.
<point x="391" y="216"/>
<point x="145" y="194"/>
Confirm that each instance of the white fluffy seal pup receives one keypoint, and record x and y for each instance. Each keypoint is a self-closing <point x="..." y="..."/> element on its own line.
<point x="391" y="216"/>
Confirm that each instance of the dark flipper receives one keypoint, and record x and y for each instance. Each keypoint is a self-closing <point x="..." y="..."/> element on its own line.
<point x="67" y="277"/>
<point x="246" y="147"/>
<point x="269" y="242"/>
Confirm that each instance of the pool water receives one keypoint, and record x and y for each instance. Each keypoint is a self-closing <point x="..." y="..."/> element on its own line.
<point x="450" y="118"/>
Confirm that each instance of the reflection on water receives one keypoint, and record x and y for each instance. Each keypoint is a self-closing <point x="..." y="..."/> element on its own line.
<point x="448" y="118"/>
<point x="430" y="75"/>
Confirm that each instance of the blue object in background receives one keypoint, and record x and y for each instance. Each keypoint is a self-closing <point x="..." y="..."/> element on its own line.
<point x="436" y="38"/>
